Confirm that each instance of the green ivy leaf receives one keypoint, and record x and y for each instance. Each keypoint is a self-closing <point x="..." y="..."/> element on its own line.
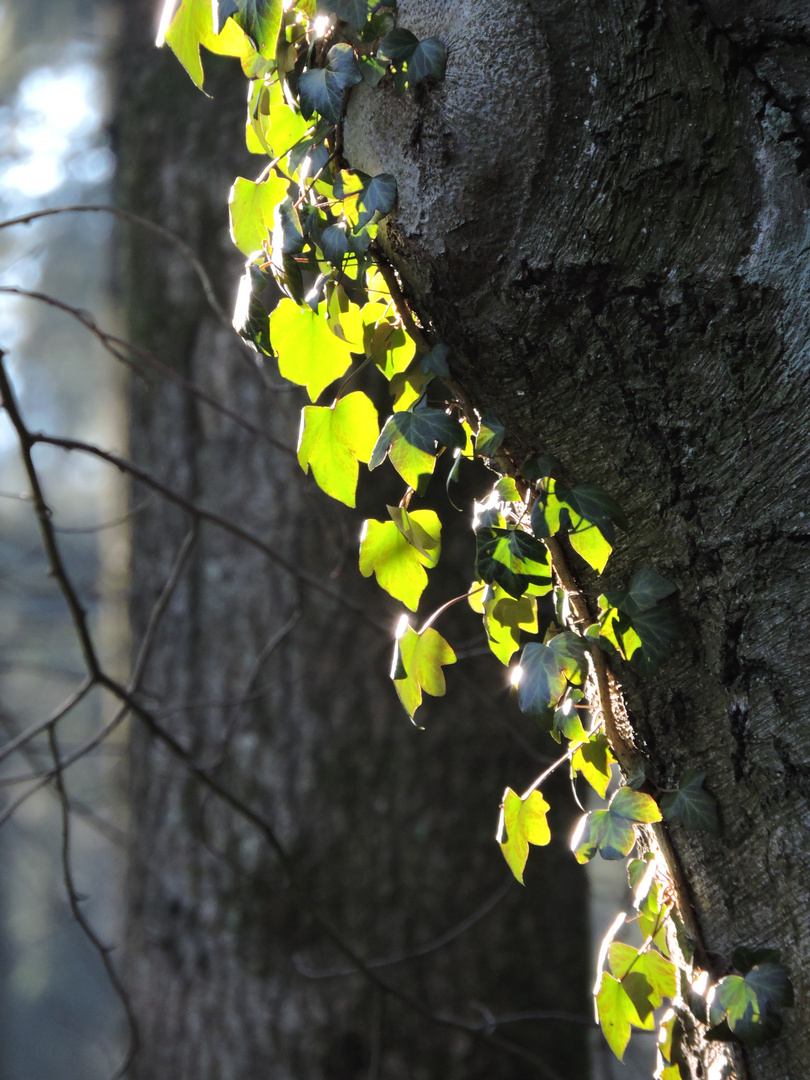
<point x="435" y="362"/>
<point x="423" y="58"/>
<point x="749" y="1003"/>
<point x="333" y="440"/>
<point x="191" y="27"/>
<point x="616" y="1013"/>
<point x="362" y="197"/>
<point x="321" y="89"/>
<point x="506" y="490"/>
<point x="593" y="760"/>
<point x="522" y="822"/>
<point x="309" y="354"/>
<point x="659" y="974"/>
<point x="612" y="832"/>
<point x="390" y="348"/>
<point x="250" y="317"/>
<point x="354" y="12"/>
<point x="418" y="662"/>
<point x="690" y="804"/>
<point x="397" y="551"/>
<point x="504" y="617"/>
<point x="490" y="436"/>
<point x="260" y="19"/>
<point x="546" y="671"/>
<point x="411" y="440"/>
<point x="251" y="207"/>
<point x="513" y="559"/>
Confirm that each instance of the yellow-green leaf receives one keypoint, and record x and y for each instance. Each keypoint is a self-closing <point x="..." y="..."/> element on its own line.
<point x="522" y="822"/>
<point x="333" y="440"/>
<point x="308" y="352"/>
<point x="616" y="1013"/>
<point x="387" y="551"/>
<point x="593" y="759"/>
<point x="418" y="662"/>
<point x="193" y="26"/>
<point x="251" y="209"/>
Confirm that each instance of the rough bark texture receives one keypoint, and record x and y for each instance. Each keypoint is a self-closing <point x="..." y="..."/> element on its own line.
<point x="604" y="209"/>
<point x="390" y="827"/>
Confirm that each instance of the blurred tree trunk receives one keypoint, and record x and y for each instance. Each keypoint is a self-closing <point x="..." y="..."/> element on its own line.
<point x="285" y="692"/>
<point x="604" y="210"/>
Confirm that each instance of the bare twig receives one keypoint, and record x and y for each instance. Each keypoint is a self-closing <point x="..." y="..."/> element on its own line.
<point x="75" y="906"/>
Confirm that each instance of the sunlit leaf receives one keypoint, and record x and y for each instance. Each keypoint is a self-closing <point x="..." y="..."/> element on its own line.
<point x="513" y="559"/>
<point x="191" y="27"/>
<point x="397" y="552"/>
<point x="308" y="353"/>
<point x="593" y="760"/>
<point x="260" y="20"/>
<point x="490" y="436"/>
<point x="750" y="1003"/>
<point x="612" y="832"/>
<point x="251" y="208"/>
<point x="616" y="1013"/>
<point x="504" y="617"/>
<point x="333" y="440"/>
<point x="421" y="658"/>
<point x="522" y="822"/>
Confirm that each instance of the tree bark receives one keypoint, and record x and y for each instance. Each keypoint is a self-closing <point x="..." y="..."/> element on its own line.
<point x="282" y="694"/>
<point x="604" y="210"/>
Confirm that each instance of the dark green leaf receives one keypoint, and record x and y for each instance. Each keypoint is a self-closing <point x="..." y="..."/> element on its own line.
<point x="690" y="804"/>
<point x="435" y="361"/>
<point x="373" y="71"/>
<point x="744" y="958"/>
<point x="514" y="559"/>
<point x="541" y="466"/>
<point x="429" y="58"/>
<point x="597" y="507"/>
<point x="490" y="436"/>
<point x="260" y="19"/>
<point x="321" y="89"/>
<point x="334" y="244"/>
<point x="398" y="46"/>
<point x="542" y="683"/>
<point x="425" y="428"/>
<point x="354" y="12"/>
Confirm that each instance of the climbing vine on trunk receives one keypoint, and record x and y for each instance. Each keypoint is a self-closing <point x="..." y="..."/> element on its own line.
<point x="308" y="221"/>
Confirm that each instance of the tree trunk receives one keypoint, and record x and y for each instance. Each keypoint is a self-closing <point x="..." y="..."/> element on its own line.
<point x="604" y="211"/>
<point x="281" y="693"/>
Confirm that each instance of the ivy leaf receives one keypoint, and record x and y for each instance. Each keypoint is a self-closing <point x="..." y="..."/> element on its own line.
<point x="260" y="20"/>
<point x="659" y="974"/>
<point x="612" y="832"/>
<point x="596" y="506"/>
<point x="333" y="440"/>
<point x="390" y="348"/>
<point x="504" y="617"/>
<point x="435" y="362"/>
<point x="522" y="822"/>
<point x="690" y="804"/>
<point x="192" y="26"/>
<point x="334" y="244"/>
<point x="411" y="440"/>
<point x="657" y="628"/>
<point x="506" y="490"/>
<point x="423" y="58"/>
<point x="616" y="1013"/>
<point x="744" y="958"/>
<point x="398" y="562"/>
<point x="593" y="760"/>
<point x="490" y="436"/>
<point x="546" y="671"/>
<point x="354" y="12"/>
<point x="513" y="559"/>
<point x="321" y="89"/>
<point x="646" y="590"/>
<point x="541" y="467"/>
<point x="251" y="208"/>
<point x="309" y="354"/>
<point x="250" y="318"/>
<point x="362" y="197"/>
<point x="749" y="1003"/>
<point x="418" y="662"/>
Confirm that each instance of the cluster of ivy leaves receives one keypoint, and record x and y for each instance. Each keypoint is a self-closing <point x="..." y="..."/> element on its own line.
<point x="309" y="221"/>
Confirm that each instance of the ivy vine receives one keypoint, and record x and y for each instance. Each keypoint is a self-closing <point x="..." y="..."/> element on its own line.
<point x="309" y="221"/>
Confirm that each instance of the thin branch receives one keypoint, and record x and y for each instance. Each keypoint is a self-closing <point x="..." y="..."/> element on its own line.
<point x="419" y="950"/>
<point x="144" y="223"/>
<point x="119" y="348"/>
<point x="42" y="725"/>
<point x="75" y="907"/>
<point x="215" y="519"/>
